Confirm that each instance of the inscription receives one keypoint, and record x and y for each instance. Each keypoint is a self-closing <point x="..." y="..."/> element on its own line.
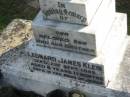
<point x="76" y="70"/>
<point x="61" y="5"/>
<point x="63" y="13"/>
<point x="63" y="40"/>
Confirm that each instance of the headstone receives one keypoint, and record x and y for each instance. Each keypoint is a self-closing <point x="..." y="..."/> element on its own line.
<point x="68" y="56"/>
<point x="80" y="67"/>
<point x="76" y="38"/>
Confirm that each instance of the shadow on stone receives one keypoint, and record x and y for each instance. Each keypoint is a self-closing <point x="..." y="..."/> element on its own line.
<point x="57" y="93"/>
<point x="13" y="92"/>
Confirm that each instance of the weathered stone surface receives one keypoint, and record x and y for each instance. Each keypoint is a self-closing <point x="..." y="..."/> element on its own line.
<point x="113" y="48"/>
<point x="108" y="60"/>
<point x="65" y="64"/>
<point x="13" y="39"/>
<point x="94" y="65"/>
<point x="19" y="76"/>
<point x="72" y="11"/>
<point x="76" y="38"/>
<point x="15" y="34"/>
<point x="17" y="73"/>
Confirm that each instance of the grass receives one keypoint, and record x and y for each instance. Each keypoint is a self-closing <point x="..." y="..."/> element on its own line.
<point x="11" y="9"/>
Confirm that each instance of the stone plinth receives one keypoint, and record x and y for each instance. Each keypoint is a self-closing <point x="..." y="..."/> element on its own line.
<point x="113" y="49"/>
<point x="20" y="74"/>
<point x="80" y="67"/>
<point x="16" y="70"/>
<point x="93" y="69"/>
<point x="76" y="38"/>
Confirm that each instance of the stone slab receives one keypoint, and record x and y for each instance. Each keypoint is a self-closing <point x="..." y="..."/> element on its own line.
<point x="18" y="74"/>
<point x="76" y="38"/>
<point x="69" y="62"/>
<point x="111" y="49"/>
<point x="65" y="64"/>
<point x="79" y="68"/>
<point x="19" y="77"/>
<point x="71" y="11"/>
<point x="97" y="69"/>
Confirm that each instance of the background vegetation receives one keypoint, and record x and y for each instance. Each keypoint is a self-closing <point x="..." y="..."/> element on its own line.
<point x="11" y="9"/>
<point x="124" y="6"/>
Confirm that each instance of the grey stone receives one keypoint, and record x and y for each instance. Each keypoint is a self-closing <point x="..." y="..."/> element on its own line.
<point x="109" y="58"/>
<point x="71" y="11"/>
<point x="19" y="76"/>
<point x="76" y="38"/>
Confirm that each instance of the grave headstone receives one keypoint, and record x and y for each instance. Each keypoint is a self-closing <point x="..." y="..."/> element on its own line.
<point x="68" y="56"/>
<point x="83" y="67"/>
<point x="76" y="38"/>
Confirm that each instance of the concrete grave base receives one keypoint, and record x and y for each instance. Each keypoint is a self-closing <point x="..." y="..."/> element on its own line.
<point x="80" y="66"/>
<point x="18" y="75"/>
<point x="15" y="68"/>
